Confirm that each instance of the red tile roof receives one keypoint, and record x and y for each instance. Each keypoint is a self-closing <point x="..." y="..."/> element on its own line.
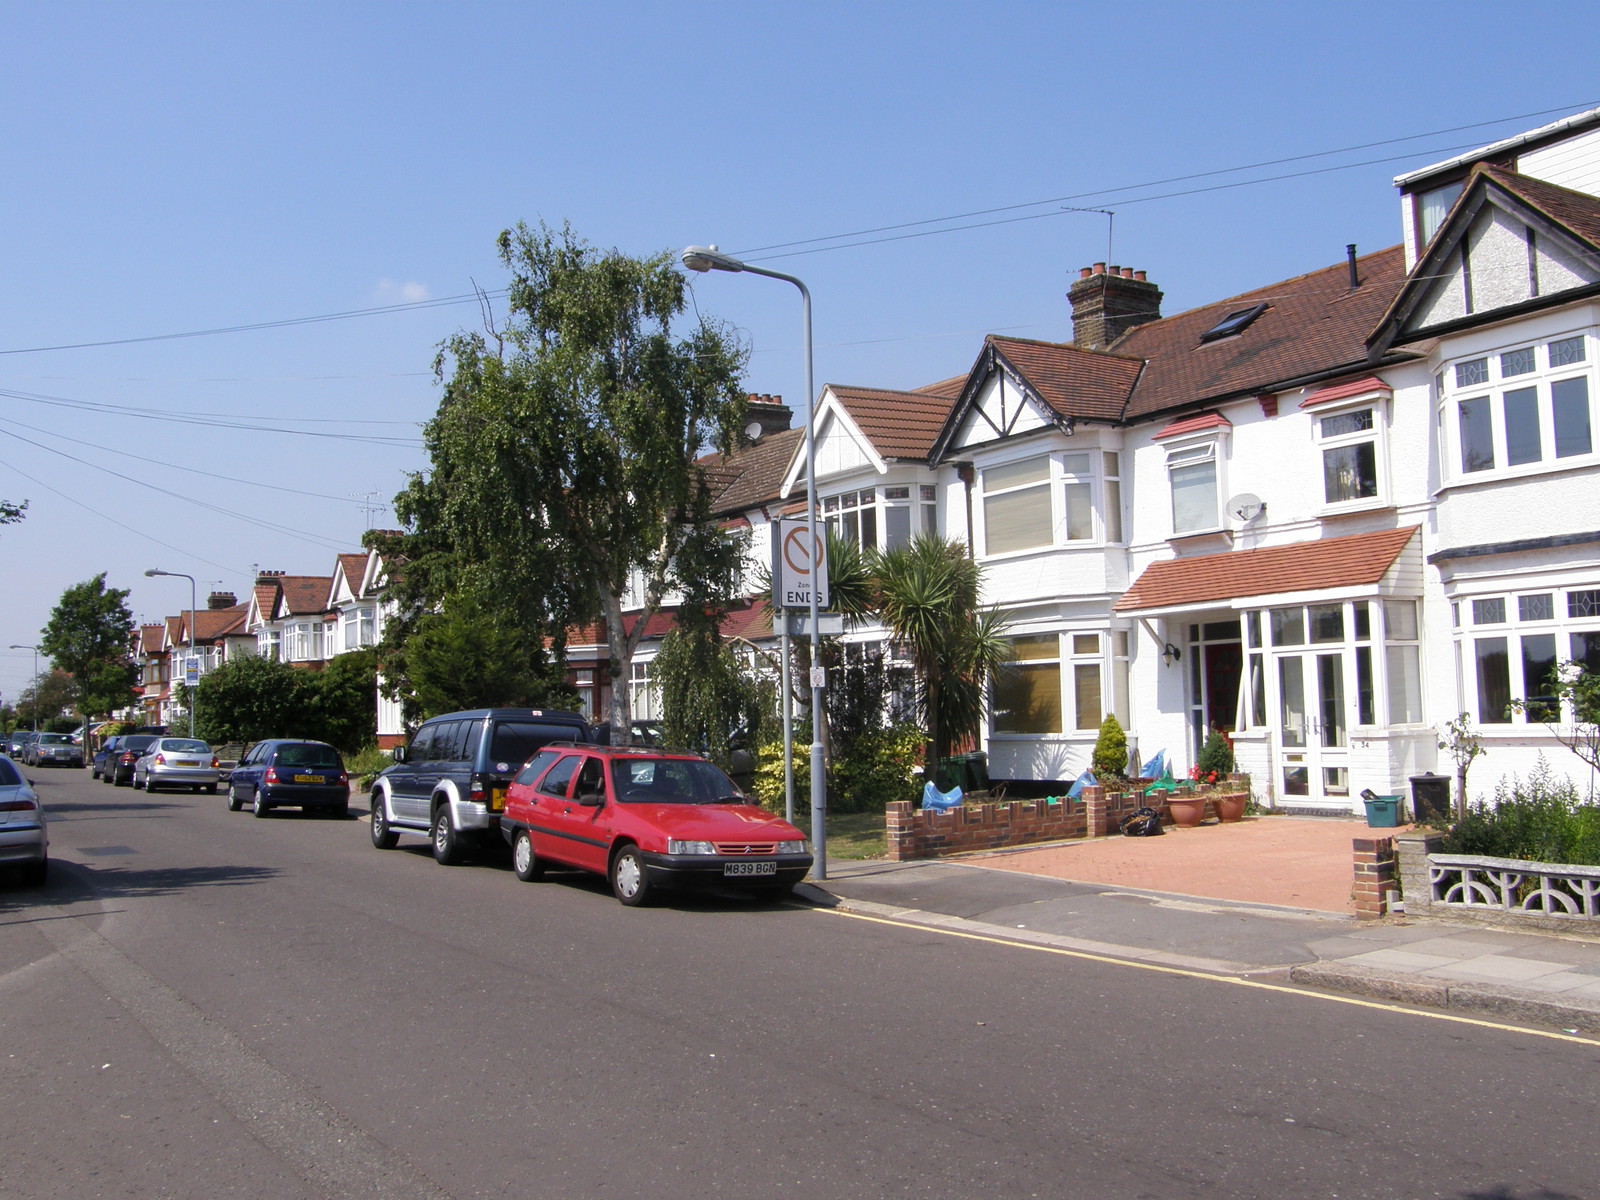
<point x="898" y="424"/>
<point x="305" y="595"/>
<point x="1196" y="424"/>
<point x="214" y="623"/>
<point x="355" y="569"/>
<point x="1074" y="382"/>
<point x="150" y="638"/>
<point x="1343" y="391"/>
<point x="1358" y="560"/>
<point x="1313" y="323"/>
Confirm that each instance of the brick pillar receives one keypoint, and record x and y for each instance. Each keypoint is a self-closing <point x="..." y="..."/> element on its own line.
<point x="1413" y="848"/>
<point x="899" y="831"/>
<point x="1094" y="805"/>
<point x="1376" y="875"/>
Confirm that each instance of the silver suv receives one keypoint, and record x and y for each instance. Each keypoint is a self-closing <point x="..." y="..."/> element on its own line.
<point x="449" y="784"/>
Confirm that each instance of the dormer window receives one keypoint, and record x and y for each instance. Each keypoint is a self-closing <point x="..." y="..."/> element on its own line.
<point x="1233" y="323"/>
<point x="1431" y="209"/>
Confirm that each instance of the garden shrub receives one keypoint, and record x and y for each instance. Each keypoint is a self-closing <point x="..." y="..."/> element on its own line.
<point x="1110" y="750"/>
<point x="1542" y="818"/>
<point x="875" y="769"/>
<point x="1215" y="760"/>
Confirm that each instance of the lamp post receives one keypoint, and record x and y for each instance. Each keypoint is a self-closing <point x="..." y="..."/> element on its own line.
<point x="709" y="258"/>
<point x="194" y="602"/>
<point x="35" y="649"/>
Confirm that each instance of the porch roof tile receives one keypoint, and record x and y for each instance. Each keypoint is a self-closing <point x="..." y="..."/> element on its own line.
<point x="1354" y="561"/>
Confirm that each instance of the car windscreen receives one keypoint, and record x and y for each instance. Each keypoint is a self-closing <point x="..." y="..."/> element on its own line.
<point x="515" y="742"/>
<point x="8" y="774"/>
<point x="54" y="739"/>
<point x="138" y="742"/>
<point x="308" y="756"/>
<point x="186" y="746"/>
<point x="671" y="781"/>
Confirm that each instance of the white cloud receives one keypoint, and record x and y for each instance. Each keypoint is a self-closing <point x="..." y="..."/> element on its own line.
<point x="390" y="291"/>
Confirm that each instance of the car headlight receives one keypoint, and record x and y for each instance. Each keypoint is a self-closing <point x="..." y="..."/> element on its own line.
<point x="792" y="847"/>
<point x="676" y="847"/>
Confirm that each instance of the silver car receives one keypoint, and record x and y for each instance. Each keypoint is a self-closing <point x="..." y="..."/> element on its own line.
<point x="24" y="841"/>
<point x="174" y="762"/>
<point x="55" y="750"/>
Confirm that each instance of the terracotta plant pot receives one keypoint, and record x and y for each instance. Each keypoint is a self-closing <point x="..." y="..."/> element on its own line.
<point x="1187" y="810"/>
<point x="1229" y="805"/>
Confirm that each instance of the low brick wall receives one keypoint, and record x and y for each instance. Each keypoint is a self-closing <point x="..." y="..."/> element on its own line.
<point x="917" y="833"/>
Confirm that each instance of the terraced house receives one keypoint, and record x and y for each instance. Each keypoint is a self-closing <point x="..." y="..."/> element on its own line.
<point x="1324" y="516"/>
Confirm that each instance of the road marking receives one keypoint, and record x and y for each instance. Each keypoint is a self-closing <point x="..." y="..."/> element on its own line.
<point x="332" y="1153"/>
<point x="1234" y="980"/>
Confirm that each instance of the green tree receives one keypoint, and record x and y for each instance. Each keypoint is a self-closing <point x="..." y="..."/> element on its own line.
<point x="46" y="697"/>
<point x="1575" y="688"/>
<point x="1458" y="739"/>
<point x="471" y="653"/>
<point x="247" y="699"/>
<point x="346" y="700"/>
<point x="90" y="636"/>
<point x="11" y="513"/>
<point x="707" y="695"/>
<point x="566" y="458"/>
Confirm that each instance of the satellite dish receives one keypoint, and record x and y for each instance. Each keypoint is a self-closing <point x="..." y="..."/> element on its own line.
<point x="754" y="430"/>
<point x="1246" y="506"/>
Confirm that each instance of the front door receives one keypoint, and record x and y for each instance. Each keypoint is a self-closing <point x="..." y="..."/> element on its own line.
<point x="1313" y="734"/>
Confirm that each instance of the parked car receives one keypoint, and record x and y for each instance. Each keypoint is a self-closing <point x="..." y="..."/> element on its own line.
<point x="174" y="762"/>
<point x="450" y="783"/>
<point x="108" y="750"/>
<point x="24" y="837"/>
<point x="279" y="773"/>
<point x="228" y="756"/>
<point x="54" y="750"/>
<point x="646" y="818"/>
<point x="119" y="769"/>
<point x="21" y="739"/>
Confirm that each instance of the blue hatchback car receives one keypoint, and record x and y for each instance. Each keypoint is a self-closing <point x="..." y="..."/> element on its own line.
<point x="290" y="773"/>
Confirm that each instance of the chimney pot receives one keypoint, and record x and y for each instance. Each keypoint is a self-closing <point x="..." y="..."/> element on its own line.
<point x="1127" y="272"/>
<point x="1099" y="268"/>
<point x="1139" y="275"/>
<point x="1083" y="272"/>
<point x="1113" y="269"/>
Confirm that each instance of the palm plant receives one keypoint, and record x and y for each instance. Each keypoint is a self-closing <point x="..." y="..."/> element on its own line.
<point x="927" y="595"/>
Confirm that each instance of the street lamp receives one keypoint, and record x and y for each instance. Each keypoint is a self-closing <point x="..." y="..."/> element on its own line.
<point x="35" y="649"/>
<point x="709" y="258"/>
<point x="194" y="601"/>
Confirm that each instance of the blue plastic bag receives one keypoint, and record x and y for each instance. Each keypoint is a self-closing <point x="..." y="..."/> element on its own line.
<point x="936" y="801"/>
<point x="1087" y="779"/>
<point x="1156" y="767"/>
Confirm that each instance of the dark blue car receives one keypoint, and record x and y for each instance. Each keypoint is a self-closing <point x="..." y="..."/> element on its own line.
<point x="290" y="773"/>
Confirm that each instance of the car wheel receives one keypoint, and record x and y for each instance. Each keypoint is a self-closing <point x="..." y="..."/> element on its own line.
<point x="150" y="785"/>
<point x="383" y="837"/>
<point x="629" y="882"/>
<point x="446" y="841"/>
<point x="235" y="801"/>
<point x="138" y="784"/>
<point x="523" y="860"/>
<point x="258" y="806"/>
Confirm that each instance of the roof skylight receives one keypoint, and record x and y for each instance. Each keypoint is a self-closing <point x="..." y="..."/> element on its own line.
<point x="1234" y="322"/>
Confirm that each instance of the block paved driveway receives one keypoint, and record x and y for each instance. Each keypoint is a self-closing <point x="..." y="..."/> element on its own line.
<point x="1296" y="862"/>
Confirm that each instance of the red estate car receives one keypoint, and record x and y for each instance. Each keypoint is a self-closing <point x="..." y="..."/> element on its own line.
<point x="646" y="818"/>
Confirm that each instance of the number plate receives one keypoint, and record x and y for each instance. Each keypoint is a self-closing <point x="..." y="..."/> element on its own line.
<point x="750" y="868"/>
<point x="188" y="762"/>
<point x="310" y="779"/>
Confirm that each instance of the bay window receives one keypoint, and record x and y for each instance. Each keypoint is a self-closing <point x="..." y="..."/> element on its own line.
<point x="1016" y="506"/>
<point x="1521" y="408"/>
<point x="1514" y="649"/>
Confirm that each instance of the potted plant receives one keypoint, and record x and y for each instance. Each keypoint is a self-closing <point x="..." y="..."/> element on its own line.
<point x="1213" y="765"/>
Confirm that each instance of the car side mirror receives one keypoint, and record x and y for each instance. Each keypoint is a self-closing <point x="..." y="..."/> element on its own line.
<point x="398" y="754"/>
<point x="592" y="799"/>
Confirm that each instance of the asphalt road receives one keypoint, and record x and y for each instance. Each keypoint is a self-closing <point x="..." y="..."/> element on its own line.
<point x="203" y="1004"/>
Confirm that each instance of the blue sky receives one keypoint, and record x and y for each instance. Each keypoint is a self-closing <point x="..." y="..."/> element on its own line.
<point x="172" y="168"/>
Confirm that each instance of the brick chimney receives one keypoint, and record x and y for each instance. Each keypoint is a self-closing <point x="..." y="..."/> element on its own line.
<point x="770" y="412"/>
<point x="221" y="600"/>
<point x="1109" y="301"/>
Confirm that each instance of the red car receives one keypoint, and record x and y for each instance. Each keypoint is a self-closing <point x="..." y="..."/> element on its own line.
<point x="646" y="818"/>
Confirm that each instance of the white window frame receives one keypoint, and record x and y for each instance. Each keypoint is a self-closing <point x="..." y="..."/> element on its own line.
<point x="1493" y="393"/>
<point x="1377" y="435"/>
<point x="1512" y="624"/>
<point x="1188" y="453"/>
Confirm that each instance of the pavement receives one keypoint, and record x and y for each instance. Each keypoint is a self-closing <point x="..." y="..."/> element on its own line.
<point x="1265" y="898"/>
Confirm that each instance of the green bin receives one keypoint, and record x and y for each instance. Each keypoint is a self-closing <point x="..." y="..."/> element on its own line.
<point x="969" y="772"/>
<point x="1383" y="812"/>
